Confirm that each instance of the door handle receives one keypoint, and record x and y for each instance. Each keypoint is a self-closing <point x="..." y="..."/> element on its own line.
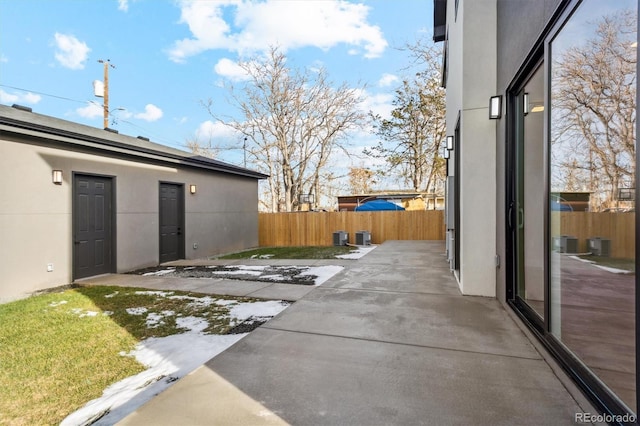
<point x="520" y="218"/>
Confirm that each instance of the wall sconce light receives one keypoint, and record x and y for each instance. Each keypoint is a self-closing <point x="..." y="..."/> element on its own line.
<point x="525" y="107"/>
<point x="449" y="143"/>
<point x="446" y="154"/>
<point x="192" y="189"/>
<point x="57" y="177"/>
<point x="495" y="107"/>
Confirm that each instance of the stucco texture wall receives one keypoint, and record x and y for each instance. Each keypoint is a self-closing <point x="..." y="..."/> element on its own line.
<point x="36" y="215"/>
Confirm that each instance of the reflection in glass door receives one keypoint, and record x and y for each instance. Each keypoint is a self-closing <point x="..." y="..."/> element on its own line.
<point x="529" y="193"/>
<point x="592" y="173"/>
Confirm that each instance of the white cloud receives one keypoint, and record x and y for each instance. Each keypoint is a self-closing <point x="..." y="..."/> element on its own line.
<point x="20" y="98"/>
<point x="92" y="110"/>
<point x="151" y="113"/>
<point x="70" y="52"/>
<point x="387" y="80"/>
<point x="123" y="5"/>
<point x="378" y="103"/>
<point x="286" y="24"/>
<point x="208" y="130"/>
<point x="231" y="70"/>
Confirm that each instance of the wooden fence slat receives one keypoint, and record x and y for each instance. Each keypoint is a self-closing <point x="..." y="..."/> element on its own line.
<point x="317" y="228"/>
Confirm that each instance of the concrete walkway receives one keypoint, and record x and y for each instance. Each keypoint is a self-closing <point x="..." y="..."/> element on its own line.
<point x="388" y="341"/>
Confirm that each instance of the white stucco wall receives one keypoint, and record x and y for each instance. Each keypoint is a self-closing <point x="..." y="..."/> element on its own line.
<point x="471" y="82"/>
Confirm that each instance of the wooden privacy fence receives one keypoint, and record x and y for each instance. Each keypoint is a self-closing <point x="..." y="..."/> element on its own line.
<point x="620" y="228"/>
<point x="317" y="228"/>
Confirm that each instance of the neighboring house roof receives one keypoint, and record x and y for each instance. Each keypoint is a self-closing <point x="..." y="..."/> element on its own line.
<point x="73" y="135"/>
<point x="377" y="205"/>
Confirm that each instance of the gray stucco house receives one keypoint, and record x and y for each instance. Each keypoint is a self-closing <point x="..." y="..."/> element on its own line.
<point x="79" y="201"/>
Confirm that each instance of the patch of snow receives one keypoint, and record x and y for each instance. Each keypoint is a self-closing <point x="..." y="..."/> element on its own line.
<point x="605" y="268"/>
<point x="358" y="253"/>
<point x="168" y="358"/>
<point x="269" y="308"/>
<point x="108" y="296"/>
<point x="323" y="273"/>
<point x="613" y="270"/>
<point x="154" y="293"/>
<point x="237" y="272"/>
<point x="136" y="311"/>
<point x="154" y="320"/>
<point x="55" y="304"/>
<point x="89" y="314"/>
<point x="159" y="273"/>
<point x="275" y="277"/>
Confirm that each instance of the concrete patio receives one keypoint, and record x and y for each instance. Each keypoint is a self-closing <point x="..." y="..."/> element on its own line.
<point x="389" y="340"/>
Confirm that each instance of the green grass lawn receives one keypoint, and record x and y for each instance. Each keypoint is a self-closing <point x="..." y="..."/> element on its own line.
<point x="60" y="350"/>
<point x="320" y="252"/>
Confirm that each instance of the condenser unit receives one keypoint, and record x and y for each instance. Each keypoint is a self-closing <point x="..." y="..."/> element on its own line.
<point x="340" y="238"/>
<point x="363" y="238"/>
<point x="565" y="244"/>
<point x="599" y="246"/>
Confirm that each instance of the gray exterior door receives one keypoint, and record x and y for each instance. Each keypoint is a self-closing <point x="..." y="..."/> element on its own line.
<point x="171" y="222"/>
<point x="93" y="248"/>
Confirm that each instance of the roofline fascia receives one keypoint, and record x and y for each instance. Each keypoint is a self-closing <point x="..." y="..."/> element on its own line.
<point x="10" y="125"/>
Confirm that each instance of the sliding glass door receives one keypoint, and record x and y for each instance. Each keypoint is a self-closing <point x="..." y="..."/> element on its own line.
<point x="592" y="173"/>
<point x="571" y="220"/>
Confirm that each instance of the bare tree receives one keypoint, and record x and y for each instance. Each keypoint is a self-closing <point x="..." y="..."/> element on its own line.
<point x="198" y="147"/>
<point x="412" y="137"/>
<point x="593" y="107"/>
<point x="294" y="122"/>
<point x="361" y="179"/>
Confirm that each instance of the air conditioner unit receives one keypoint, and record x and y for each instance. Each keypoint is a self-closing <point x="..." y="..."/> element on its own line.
<point x="340" y="238"/>
<point x="363" y="238"/>
<point x="599" y="246"/>
<point x="565" y="244"/>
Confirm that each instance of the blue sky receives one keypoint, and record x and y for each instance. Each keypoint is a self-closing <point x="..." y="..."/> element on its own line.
<point x="169" y="56"/>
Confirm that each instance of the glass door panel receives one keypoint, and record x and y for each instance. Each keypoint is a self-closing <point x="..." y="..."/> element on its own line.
<point x="592" y="163"/>
<point x="529" y="193"/>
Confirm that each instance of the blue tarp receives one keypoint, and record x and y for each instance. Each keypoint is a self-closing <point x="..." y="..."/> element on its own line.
<point x="558" y="206"/>
<point x="377" y="205"/>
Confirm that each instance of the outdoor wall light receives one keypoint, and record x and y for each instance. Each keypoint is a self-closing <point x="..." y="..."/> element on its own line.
<point x="192" y="189"/>
<point x="57" y="177"/>
<point x="446" y="154"/>
<point x="449" y="143"/>
<point x="525" y="108"/>
<point x="495" y="107"/>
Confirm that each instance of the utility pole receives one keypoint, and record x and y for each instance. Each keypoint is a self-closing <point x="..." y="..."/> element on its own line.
<point x="106" y="64"/>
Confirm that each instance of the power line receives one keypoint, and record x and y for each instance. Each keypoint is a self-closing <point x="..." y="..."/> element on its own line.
<point x="157" y="137"/>
<point x="43" y="94"/>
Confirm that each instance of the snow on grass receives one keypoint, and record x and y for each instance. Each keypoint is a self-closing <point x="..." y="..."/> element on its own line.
<point x="358" y="253"/>
<point x="262" y="256"/>
<point x="136" y="311"/>
<point x="168" y="359"/>
<point x="160" y="273"/>
<point x="322" y="273"/>
<point x="267" y="309"/>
